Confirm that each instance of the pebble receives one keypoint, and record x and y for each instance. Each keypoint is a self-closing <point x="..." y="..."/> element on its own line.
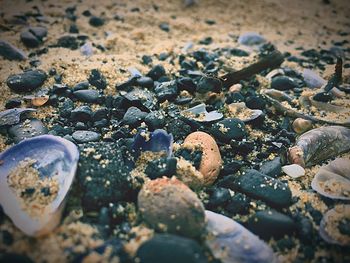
<point x="13" y="116"/>
<point x="184" y="215"/>
<point x="155" y="120"/>
<point x="145" y="82"/>
<point x="82" y="113"/>
<point x="209" y="84"/>
<point x="96" y="21"/>
<point x="13" y="103"/>
<point x="26" y="81"/>
<point x="10" y="52"/>
<point x="251" y="39"/>
<point x="86" y="136"/>
<point x="323" y="97"/>
<point x="33" y="36"/>
<point x="101" y="113"/>
<point x="265" y="188"/>
<point x="186" y="83"/>
<point x="166" y="91"/>
<point x="171" y="249"/>
<point x="178" y="128"/>
<point x="12" y="257"/>
<point x="156" y="72"/>
<point x="255" y="103"/>
<point x="211" y="161"/>
<point x="231" y="242"/>
<point x="272" y="168"/>
<point x="97" y="80"/>
<point x="283" y="83"/>
<point x="87" y="95"/>
<point x="312" y="79"/>
<point x="66" y="107"/>
<point x="270" y="223"/>
<point x="301" y="125"/>
<point x="28" y="129"/>
<point x="229" y="129"/>
<point x="238" y="204"/>
<point x="231" y="168"/>
<point x="68" y="41"/>
<point x="164" y="26"/>
<point x="293" y="170"/>
<point x="134" y="116"/>
<point x="161" y="167"/>
<point x="219" y="197"/>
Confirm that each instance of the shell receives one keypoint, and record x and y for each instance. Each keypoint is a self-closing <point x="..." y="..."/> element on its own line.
<point x="329" y="230"/>
<point x="54" y="156"/>
<point x="312" y="79"/>
<point x="320" y="144"/>
<point x="248" y="114"/>
<point x="337" y="175"/>
<point x="13" y="116"/>
<point x="201" y="110"/>
<point x="231" y="242"/>
<point x="159" y="140"/>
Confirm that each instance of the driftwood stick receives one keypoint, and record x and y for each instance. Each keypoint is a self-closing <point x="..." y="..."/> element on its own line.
<point x="272" y="60"/>
<point x="336" y="79"/>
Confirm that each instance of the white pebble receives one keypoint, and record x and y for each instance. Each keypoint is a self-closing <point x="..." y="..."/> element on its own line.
<point x="293" y="170"/>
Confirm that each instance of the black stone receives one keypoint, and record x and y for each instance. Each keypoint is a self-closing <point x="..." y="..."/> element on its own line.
<point x="86" y="136"/>
<point x="178" y="128"/>
<point x="82" y="113"/>
<point x="219" y="197"/>
<point x="101" y="113"/>
<point x="6" y="238"/>
<point x="104" y="183"/>
<point x="234" y="97"/>
<point x="186" y="83"/>
<point x="164" y="26"/>
<point x="209" y="84"/>
<point x="81" y="86"/>
<point x="145" y="82"/>
<point x="140" y="98"/>
<point x="161" y="167"/>
<point x="134" y="116"/>
<point x="305" y="229"/>
<point x="231" y="168"/>
<point x="10" y="52"/>
<point x="235" y="130"/>
<point x="68" y="41"/>
<point x="255" y="103"/>
<point x="323" y="97"/>
<point x="166" y="91"/>
<point x="97" y="79"/>
<point x="283" y="83"/>
<point x="270" y="223"/>
<point x="96" y="21"/>
<point x="28" y="129"/>
<point x="146" y="59"/>
<point x="29" y="40"/>
<point x="272" y="168"/>
<point x="66" y="107"/>
<point x="26" y="81"/>
<point x="155" y="120"/>
<point x="171" y="249"/>
<point x="238" y="52"/>
<point x="238" y="204"/>
<point x="73" y="29"/>
<point x="265" y="188"/>
<point x="12" y="257"/>
<point x="87" y="95"/>
<point x="13" y="103"/>
<point x="156" y="72"/>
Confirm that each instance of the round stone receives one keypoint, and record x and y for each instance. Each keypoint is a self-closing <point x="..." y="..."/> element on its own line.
<point x="85" y="136"/>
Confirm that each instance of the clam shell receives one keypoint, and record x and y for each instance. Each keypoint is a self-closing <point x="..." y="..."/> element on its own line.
<point x="201" y="110"/>
<point x="329" y="228"/>
<point x="55" y="156"/>
<point x="336" y="173"/>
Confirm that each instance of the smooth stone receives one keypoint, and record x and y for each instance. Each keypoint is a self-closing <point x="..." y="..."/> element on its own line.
<point x="155" y="120"/>
<point x="97" y="80"/>
<point x="219" y="197"/>
<point x="186" y="83"/>
<point x="86" y="136"/>
<point x="293" y="170"/>
<point x="68" y="41"/>
<point x="161" y="167"/>
<point x="87" y="95"/>
<point x="81" y="86"/>
<point x="323" y="97"/>
<point x="33" y="36"/>
<point x="229" y="129"/>
<point x="283" y="83"/>
<point x="231" y="242"/>
<point x="209" y="84"/>
<point x="269" y="223"/>
<point x="101" y="113"/>
<point x="166" y="91"/>
<point x="26" y="81"/>
<point x="184" y="215"/>
<point x="251" y="39"/>
<point x="134" y="116"/>
<point x="13" y="103"/>
<point x="211" y="161"/>
<point x="312" y="79"/>
<point x="238" y="204"/>
<point x="164" y="26"/>
<point x="265" y="188"/>
<point x="38" y="31"/>
<point x="301" y="125"/>
<point x="171" y="249"/>
<point x="82" y="113"/>
<point x="272" y="168"/>
<point x="156" y="72"/>
<point x="145" y="82"/>
<point x="255" y="103"/>
<point x="96" y="21"/>
<point x="27" y="129"/>
<point x="13" y="116"/>
<point x="10" y="52"/>
<point x="66" y="107"/>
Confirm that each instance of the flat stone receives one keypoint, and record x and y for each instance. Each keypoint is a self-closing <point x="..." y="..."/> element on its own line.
<point x="27" y="129"/>
<point x="293" y="170"/>
<point x="10" y="52"/>
<point x="87" y="95"/>
<point x="86" y="136"/>
<point x="166" y="91"/>
<point x="26" y="81"/>
<point x="272" y="168"/>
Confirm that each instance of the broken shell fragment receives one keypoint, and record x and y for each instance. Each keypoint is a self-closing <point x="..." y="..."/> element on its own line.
<point x="301" y="125"/>
<point x="240" y="111"/>
<point x="200" y="114"/>
<point x="13" y="116"/>
<point x="37" y="101"/>
<point x="320" y="144"/>
<point x="334" y="225"/>
<point x="333" y="180"/>
<point x="35" y="177"/>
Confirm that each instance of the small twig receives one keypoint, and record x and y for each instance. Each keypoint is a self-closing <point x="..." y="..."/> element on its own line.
<point x="336" y="79"/>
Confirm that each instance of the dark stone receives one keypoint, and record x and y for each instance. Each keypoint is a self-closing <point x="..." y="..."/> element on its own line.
<point x="134" y="116"/>
<point x="96" y="21"/>
<point x="209" y="84"/>
<point x="235" y="130"/>
<point x="97" y="79"/>
<point x="234" y="97"/>
<point x="272" y="168"/>
<point x="140" y="98"/>
<point x="6" y="238"/>
<point x="193" y="156"/>
<point x="10" y="52"/>
<point x="231" y="168"/>
<point x="66" y="107"/>
<point x="171" y="249"/>
<point x="206" y="41"/>
<point x="186" y="83"/>
<point x="305" y="229"/>
<point x="255" y="103"/>
<point x="87" y="95"/>
<point x="164" y="26"/>
<point x="101" y="113"/>
<point x="265" y="188"/>
<point x="12" y="257"/>
<point x="283" y="83"/>
<point x="238" y="204"/>
<point x="270" y="223"/>
<point x="145" y="82"/>
<point x="82" y="113"/>
<point x="73" y="29"/>
<point x="86" y="136"/>
<point x="29" y="40"/>
<point x="166" y="91"/>
<point x="80" y="126"/>
<point x="161" y="167"/>
<point x="238" y="52"/>
<point x="101" y="123"/>
<point x="28" y="129"/>
<point x="13" y="103"/>
<point x="155" y="120"/>
<point x="105" y="183"/>
<point x="178" y="128"/>
<point x="323" y="97"/>
<point x="68" y="41"/>
<point x="219" y="197"/>
<point x="156" y="72"/>
<point x="26" y="81"/>
<point x="146" y="59"/>
<point x="81" y="86"/>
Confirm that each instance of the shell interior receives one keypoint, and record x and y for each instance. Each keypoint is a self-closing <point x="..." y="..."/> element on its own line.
<point x="201" y="110"/>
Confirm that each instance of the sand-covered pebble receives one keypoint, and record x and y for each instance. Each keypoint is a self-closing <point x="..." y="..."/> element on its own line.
<point x="169" y="205"/>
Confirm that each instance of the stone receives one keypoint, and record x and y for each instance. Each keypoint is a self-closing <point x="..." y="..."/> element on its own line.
<point x="13" y="103"/>
<point x="68" y="41"/>
<point x="184" y="215"/>
<point x="270" y="223"/>
<point x="265" y="188"/>
<point x="87" y="95"/>
<point x="86" y="136"/>
<point x="66" y="107"/>
<point x="219" y="197"/>
<point x="134" y="116"/>
<point x="166" y="91"/>
<point x="27" y="129"/>
<point x="145" y="82"/>
<point x="161" y="167"/>
<point x="164" y="26"/>
<point x="26" y="81"/>
<point x="171" y="249"/>
<point x="251" y="39"/>
<point x="312" y="79"/>
<point x="186" y="83"/>
<point x="82" y="113"/>
<point x="156" y="72"/>
<point x="96" y="21"/>
<point x="301" y="125"/>
<point x="211" y="161"/>
<point x="272" y="168"/>
<point x="255" y="103"/>
<point x="283" y="83"/>
<point x="229" y="129"/>
<point x="293" y="170"/>
<point x="155" y="120"/>
<point x="238" y="204"/>
<point x="10" y="52"/>
<point x="97" y="80"/>
<point x="209" y="84"/>
<point x="33" y="36"/>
